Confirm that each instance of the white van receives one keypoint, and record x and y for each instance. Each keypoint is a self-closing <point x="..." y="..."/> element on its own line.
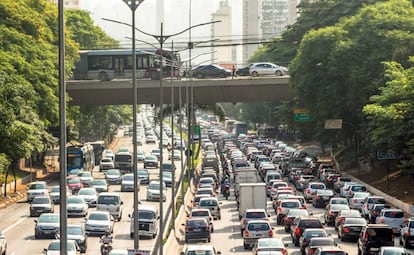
<point x="272" y="175"/>
<point x="111" y="202"/>
<point x="148" y="221"/>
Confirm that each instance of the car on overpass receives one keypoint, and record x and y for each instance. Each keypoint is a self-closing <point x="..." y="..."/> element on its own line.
<point x="211" y="71"/>
<point x="267" y="68"/>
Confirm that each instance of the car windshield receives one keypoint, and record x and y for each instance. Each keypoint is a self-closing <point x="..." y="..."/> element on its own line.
<point x="41" y="200"/>
<point x="293" y="204"/>
<point x="357" y="221"/>
<point x="75" y="230"/>
<point x="49" y="218"/>
<point x="37" y="186"/>
<point x="55" y="189"/>
<point x="154" y="185"/>
<point x="394" y="214"/>
<point x="196" y="223"/>
<point x="106" y="160"/>
<point x="148" y="215"/>
<point x="294" y="213"/>
<point x="269" y="242"/>
<point x="200" y="213"/>
<point x="87" y="192"/>
<point x="98" y="182"/>
<point x="128" y="177"/>
<point x="208" y="202"/>
<point x="85" y="174"/>
<point x="393" y="251"/>
<point x="113" y="172"/>
<point x="310" y="224"/>
<point x="76" y="200"/>
<point x="109" y="200"/>
<point x="142" y="173"/>
<point x="55" y="246"/>
<point x="73" y="180"/>
<point x="98" y="216"/>
<point x="339" y="201"/>
<point x="254" y="215"/>
<point x="200" y="252"/>
<point x="258" y="226"/>
<point x="322" y="242"/>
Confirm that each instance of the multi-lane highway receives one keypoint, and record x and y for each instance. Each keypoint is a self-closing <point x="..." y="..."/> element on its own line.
<point x="18" y="226"/>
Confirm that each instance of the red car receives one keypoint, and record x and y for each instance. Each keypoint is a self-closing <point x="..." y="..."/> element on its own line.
<point x="74" y="184"/>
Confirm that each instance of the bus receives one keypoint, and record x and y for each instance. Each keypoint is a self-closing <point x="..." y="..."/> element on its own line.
<point x="229" y="125"/>
<point x="267" y="132"/>
<point x="240" y="127"/>
<point x="105" y="65"/>
<point x="123" y="161"/>
<point x="98" y="148"/>
<point x="80" y="156"/>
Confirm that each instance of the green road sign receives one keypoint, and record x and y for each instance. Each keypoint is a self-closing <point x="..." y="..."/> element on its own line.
<point x="197" y="130"/>
<point x="302" y="116"/>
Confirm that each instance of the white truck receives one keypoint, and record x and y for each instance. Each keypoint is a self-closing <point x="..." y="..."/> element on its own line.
<point x="252" y="195"/>
<point x="244" y="175"/>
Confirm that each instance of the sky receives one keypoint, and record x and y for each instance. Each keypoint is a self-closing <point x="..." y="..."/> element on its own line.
<point x="176" y="19"/>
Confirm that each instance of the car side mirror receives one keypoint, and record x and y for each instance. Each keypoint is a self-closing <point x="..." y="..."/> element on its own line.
<point x="122" y="202"/>
<point x="182" y="253"/>
<point x="182" y="224"/>
<point x="218" y="252"/>
<point x="44" y="251"/>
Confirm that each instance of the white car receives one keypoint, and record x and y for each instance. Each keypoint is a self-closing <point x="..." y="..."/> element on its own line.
<point x="89" y="195"/>
<point x="127" y="183"/>
<point x="86" y="178"/>
<point x="108" y="154"/>
<point x="106" y="163"/>
<point x="153" y="191"/>
<point x="99" y="222"/>
<point x="3" y="244"/>
<point x="266" y="68"/>
<point x="54" y="248"/>
<point x="38" y="188"/>
<point x="77" y="206"/>
<point x="357" y="200"/>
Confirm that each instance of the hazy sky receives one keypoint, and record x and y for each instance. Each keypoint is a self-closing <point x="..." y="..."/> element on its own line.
<point x="176" y="19"/>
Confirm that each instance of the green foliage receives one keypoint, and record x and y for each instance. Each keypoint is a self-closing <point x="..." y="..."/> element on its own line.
<point x="391" y="114"/>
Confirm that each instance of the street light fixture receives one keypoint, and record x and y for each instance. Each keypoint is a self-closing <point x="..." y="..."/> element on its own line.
<point x="133" y="5"/>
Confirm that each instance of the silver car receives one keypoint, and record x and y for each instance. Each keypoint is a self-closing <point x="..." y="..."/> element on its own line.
<point x="266" y="68"/>
<point x="392" y="217"/>
<point x="254" y="230"/>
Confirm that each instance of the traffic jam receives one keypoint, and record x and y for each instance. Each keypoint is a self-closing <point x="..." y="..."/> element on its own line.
<point x="281" y="200"/>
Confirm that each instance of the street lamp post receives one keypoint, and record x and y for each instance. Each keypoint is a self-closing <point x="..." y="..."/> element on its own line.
<point x="133" y="5"/>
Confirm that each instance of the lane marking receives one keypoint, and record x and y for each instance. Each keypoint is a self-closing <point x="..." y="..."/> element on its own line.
<point x="14" y="224"/>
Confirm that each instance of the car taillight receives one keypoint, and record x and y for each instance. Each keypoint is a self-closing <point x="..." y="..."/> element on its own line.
<point x="345" y="229"/>
<point x="287" y="220"/>
<point x="284" y="251"/>
<point x="304" y="206"/>
<point x="311" y="250"/>
<point x="355" y="200"/>
<point x="279" y="209"/>
<point x="408" y="233"/>
<point x="308" y="191"/>
<point x="382" y="220"/>
<point x="246" y="233"/>
<point x="270" y="232"/>
<point x="244" y="221"/>
<point x="297" y="231"/>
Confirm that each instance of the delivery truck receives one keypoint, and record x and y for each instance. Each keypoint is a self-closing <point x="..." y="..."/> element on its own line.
<point x="251" y="195"/>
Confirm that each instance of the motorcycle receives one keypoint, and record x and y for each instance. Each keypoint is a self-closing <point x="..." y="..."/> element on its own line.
<point x="226" y="191"/>
<point x="106" y="248"/>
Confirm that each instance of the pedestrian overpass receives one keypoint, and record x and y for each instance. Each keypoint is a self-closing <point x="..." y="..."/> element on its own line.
<point x="205" y="91"/>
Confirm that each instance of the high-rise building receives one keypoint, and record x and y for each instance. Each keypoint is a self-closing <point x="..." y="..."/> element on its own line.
<point x="263" y="20"/>
<point x="68" y="4"/>
<point x="223" y="32"/>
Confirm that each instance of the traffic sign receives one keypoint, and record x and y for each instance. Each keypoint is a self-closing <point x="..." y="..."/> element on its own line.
<point x="301" y="115"/>
<point x="390" y="154"/>
<point x="333" y="124"/>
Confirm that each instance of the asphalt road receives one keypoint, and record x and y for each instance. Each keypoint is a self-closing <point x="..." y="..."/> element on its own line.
<point x="18" y="226"/>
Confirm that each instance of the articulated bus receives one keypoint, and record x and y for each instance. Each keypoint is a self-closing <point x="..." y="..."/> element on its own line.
<point x="105" y="65"/>
<point x="267" y="132"/>
<point x="80" y="156"/>
<point x="240" y="128"/>
<point x="98" y="148"/>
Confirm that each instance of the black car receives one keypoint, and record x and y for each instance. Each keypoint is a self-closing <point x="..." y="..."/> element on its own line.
<point x="350" y="228"/>
<point x="300" y="224"/>
<point x="211" y="71"/>
<point x="243" y="71"/>
<point x="197" y="229"/>
<point x="375" y="211"/>
<point x="374" y="236"/>
<point x="332" y="211"/>
<point x="322" y="197"/>
<point x="309" y="234"/>
<point x="316" y="242"/>
<point x="77" y="233"/>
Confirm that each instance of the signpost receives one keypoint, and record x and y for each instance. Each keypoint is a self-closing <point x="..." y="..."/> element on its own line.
<point x="388" y="156"/>
<point x="301" y="115"/>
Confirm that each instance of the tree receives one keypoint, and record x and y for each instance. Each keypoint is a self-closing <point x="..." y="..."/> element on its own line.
<point x="391" y="114"/>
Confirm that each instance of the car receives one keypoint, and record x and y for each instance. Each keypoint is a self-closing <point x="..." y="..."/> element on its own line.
<point x="407" y="233"/>
<point x="329" y="250"/>
<point x="266" y="68"/>
<point x="350" y="228"/>
<point x="392" y="217"/>
<point x="37" y="188"/>
<point x="374" y="236"/>
<point x="100" y="185"/>
<point x="89" y="195"/>
<point x="197" y="198"/>
<point x="199" y="249"/>
<point x="167" y="178"/>
<point x="284" y="207"/>
<point x="54" y="248"/>
<point x="322" y="198"/>
<point x="355" y="188"/>
<point x="345" y="213"/>
<point x="77" y="206"/>
<point x="252" y="214"/>
<point x="3" y="244"/>
<point x="156" y="152"/>
<point x="212" y="204"/>
<point x="108" y="154"/>
<point x="316" y="242"/>
<point x="177" y="154"/>
<point x="308" y="234"/>
<point x="105" y="164"/>
<point x="375" y="211"/>
<point x="41" y="204"/>
<point x="127" y="183"/>
<point x="118" y="252"/>
<point x="150" y="139"/>
<point x="143" y="176"/>
<point x="168" y="166"/>
<point x="391" y="250"/>
<point x="338" y="200"/>
<point x="207" y="180"/>
<point x="202" y="213"/>
<point x="357" y="200"/>
<point x="331" y="179"/>
<point x="54" y="193"/>
<point x="86" y="178"/>
<point x="113" y="176"/>
<point x="74" y="184"/>
<point x="368" y="204"/>
<point x="140" y="156"/>
<point x="339" y="183"/>
<point x="210" y="71"/>
<point x="269" y="244"/>
<point x="254" y="230"/>
<point x="47" y="225"/>
<point x="244" y="71"/>
<point x="153" y="191"/>
<point x="300" y="224"/>
<point x="110" y="202"/>
<point x="151" y="161"/>
<point x="332" y="211"/>
<point x="74" y="172"/>
<point x="343" y="191"/>
<point x="311" y="189"/>
<point x="197" y="229"/>
<point x="206" y="190"/>
<point x="99" y="222"/>
<point x="148" y="221"/>
<point x="78" y="234"/>
<point x="291" y="215"/>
